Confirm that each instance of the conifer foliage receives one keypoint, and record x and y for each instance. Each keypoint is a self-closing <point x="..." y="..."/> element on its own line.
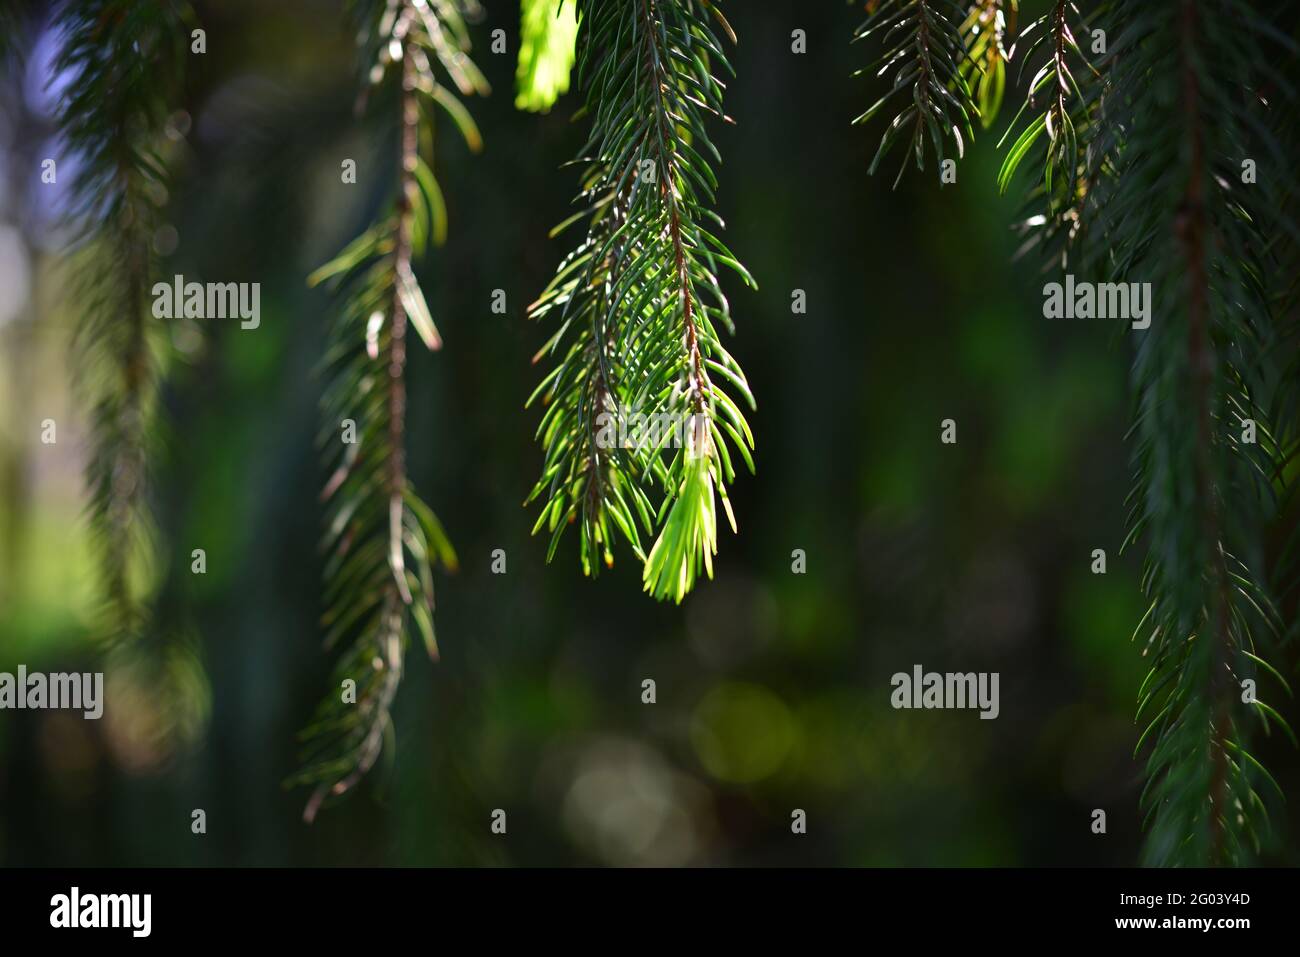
<point x="985" y="33"/>
<point x="382" y="541"/>
<point x="128" y="61"/>
<point x="1183" y="213"/>
<point x="1147" y="154"/>
<point x="1161" y="161"/>
<point x="1056" y="105"/>
<point x="637" y="306"/>
<point x="1053" y="134"/>
<point x="926" y="59"/>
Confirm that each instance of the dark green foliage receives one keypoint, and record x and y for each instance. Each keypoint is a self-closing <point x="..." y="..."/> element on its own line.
<point x="1160" y="188"/>
<point x="637" y="304"/>
<point x="929" y="69"/>
<point x="128" y="60"/>
<point x="382" y="542"/>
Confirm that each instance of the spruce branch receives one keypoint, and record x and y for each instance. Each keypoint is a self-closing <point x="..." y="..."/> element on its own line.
<point x="127" y="59"/>
<point x="927" y="56"/>
<point x="1064" y="101"/>
<point x="984" y="68"/>
<point x="381" y="539"/>
<point x="1061" y="102"/>
<point x="589" y="475"/>
<point x="1178" y="213"/>
<point x="639" y="301"/>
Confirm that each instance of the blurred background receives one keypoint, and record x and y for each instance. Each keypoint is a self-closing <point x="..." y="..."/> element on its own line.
<point x="772" y="687"/>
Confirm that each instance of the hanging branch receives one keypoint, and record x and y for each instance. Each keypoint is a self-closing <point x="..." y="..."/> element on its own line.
<point x="682" y="90"/>
<point x="984" y="67"/>
<point x="1180" y="213"/>
<point x="638" y="303"/>
<point x="127" y="59"/>
<point x="1064" y="102"/>
<point x="382" y="540"/>
<point x="1057" y="103"/>
<point x="927" y="55"/>
<point x="589" y="475"/>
